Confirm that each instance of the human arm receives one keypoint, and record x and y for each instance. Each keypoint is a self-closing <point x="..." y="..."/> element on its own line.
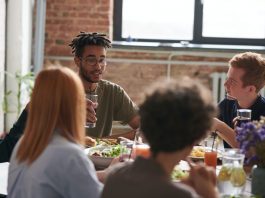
<point x="134" y="123"/>
<point x="203" y="180"/>
<point x="3" y="135"/>
<point x="225" y="132"/>
<point x="8" y="144"/>
<point x="102" y="174"/>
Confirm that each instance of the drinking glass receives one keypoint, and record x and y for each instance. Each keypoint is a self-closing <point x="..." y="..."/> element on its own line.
<point x="210" y="150"/>
<point x="232" y="177"/>
<point x="140" y="148"/>
<point x="210" y="157"/>
<point x="126" y="149"/>
<point x="244" y="116"/>
<point x="94" y="99"/>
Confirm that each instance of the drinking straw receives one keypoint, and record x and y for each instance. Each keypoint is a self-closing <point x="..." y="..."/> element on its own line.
<point x="134" y="142"/>
<point x="214" y="137"/>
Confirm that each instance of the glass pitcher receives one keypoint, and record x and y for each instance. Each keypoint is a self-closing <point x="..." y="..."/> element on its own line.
<point x="232" y="177"/>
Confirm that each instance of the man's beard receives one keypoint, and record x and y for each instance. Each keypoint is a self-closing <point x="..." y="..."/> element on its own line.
<point x="86" y="76"/>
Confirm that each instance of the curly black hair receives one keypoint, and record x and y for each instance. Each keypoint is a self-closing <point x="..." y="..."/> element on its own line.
<point x="176" y="114"/>
<point x="85" y="38"/>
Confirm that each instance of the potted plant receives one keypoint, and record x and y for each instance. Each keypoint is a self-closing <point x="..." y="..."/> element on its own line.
<point x="251" y="138"/>
<point x="24" y="83"/>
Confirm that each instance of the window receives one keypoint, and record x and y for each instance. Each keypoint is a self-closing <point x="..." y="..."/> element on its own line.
<point x="197" y="21"/>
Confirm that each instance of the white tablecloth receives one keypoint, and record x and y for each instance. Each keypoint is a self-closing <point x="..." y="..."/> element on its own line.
<point x="3" y="178"/>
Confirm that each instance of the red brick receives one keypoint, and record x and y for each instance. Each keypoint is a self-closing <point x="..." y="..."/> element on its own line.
<point x="66" y="18"/>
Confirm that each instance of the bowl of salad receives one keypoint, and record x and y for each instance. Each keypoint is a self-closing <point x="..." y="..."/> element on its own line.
<point x="102" y="155"/>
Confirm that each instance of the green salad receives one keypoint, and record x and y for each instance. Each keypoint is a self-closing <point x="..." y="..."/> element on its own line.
<point x="112" y="151"/>
<point x="178" y="174"/>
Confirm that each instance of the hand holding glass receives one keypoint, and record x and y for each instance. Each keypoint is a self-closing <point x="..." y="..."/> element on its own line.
<point x="93" y="98"/>
<point x="243" y="116"/>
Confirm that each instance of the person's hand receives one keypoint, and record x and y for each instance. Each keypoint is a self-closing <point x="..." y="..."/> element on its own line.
<point x="91" y="113"/>
<point x="90" y="142"/>
<point x="203" y="180"/>
<point x="235" y="121"/>
<point x="2" y="135"/>
<point x="115" y="163"/>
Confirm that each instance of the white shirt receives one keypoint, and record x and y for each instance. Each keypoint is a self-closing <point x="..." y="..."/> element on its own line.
<point x="62" y="170"/>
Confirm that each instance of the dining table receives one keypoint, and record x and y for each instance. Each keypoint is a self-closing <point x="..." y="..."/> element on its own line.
<point x="4" y="176"/>
<point x="3" y="179"/>
<point x="219" y="146"/>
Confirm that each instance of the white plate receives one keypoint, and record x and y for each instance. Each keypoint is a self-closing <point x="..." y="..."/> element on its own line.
<point x="203" y="148"/>
<point x="99" y="162"/>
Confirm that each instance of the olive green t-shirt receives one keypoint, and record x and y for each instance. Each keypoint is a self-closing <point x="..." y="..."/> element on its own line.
<point x="113" y="105"/>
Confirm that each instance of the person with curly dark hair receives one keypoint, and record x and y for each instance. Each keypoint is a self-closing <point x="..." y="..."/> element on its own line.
<point x="174" y="117"/>
<point x="89" y="50"/>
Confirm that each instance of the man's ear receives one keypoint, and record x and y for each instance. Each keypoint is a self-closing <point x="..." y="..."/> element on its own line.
<point x="252" y="88"/>
<point x="77" y="61"/>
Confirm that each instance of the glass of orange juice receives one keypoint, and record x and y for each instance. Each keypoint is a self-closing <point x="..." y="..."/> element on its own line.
<point x="141" y="150"/>
<point x="210" y="158"/>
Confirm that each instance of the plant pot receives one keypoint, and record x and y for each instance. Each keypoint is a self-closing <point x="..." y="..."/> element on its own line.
<point x="258" y="184"/>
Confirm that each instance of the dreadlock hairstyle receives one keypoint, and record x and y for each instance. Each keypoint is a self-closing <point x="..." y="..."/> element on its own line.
<point x="84" y="38"/>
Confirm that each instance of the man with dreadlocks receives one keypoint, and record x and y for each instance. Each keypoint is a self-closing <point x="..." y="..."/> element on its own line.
<point x="113" y="103"/>
<point x="89" y="50"/>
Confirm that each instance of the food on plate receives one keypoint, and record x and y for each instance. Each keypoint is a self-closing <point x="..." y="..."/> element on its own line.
<point x="107" y="141"/>
<point x="113" y="151"/>
<point x="179" y="174"/>
<point x="89" y="141"/>
<point x="197" y="152"/>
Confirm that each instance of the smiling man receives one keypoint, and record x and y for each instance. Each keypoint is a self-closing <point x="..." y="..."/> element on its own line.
<point x="245" y="79"/>
<point x="113" y="102"/>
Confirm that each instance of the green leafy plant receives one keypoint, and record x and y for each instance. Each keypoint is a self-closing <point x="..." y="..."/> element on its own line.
<point x="25" y="84"/>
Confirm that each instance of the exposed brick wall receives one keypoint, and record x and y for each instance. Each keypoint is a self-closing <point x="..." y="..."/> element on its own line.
<point x="65" y="18"/>
<point x="136" y="77"/>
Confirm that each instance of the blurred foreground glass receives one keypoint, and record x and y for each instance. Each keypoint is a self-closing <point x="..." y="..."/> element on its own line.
<point x="94" y="99"/>
<point x="244" y="116"/>
<point x="126" y="149"/>
<point x="210" y="151"/>
<point x="232" y="177"/>
<point x="140" y="148"/>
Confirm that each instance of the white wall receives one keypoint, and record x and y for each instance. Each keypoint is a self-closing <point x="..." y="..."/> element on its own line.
<point x="19" y="42"/>
<point x="2" y="57"/>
